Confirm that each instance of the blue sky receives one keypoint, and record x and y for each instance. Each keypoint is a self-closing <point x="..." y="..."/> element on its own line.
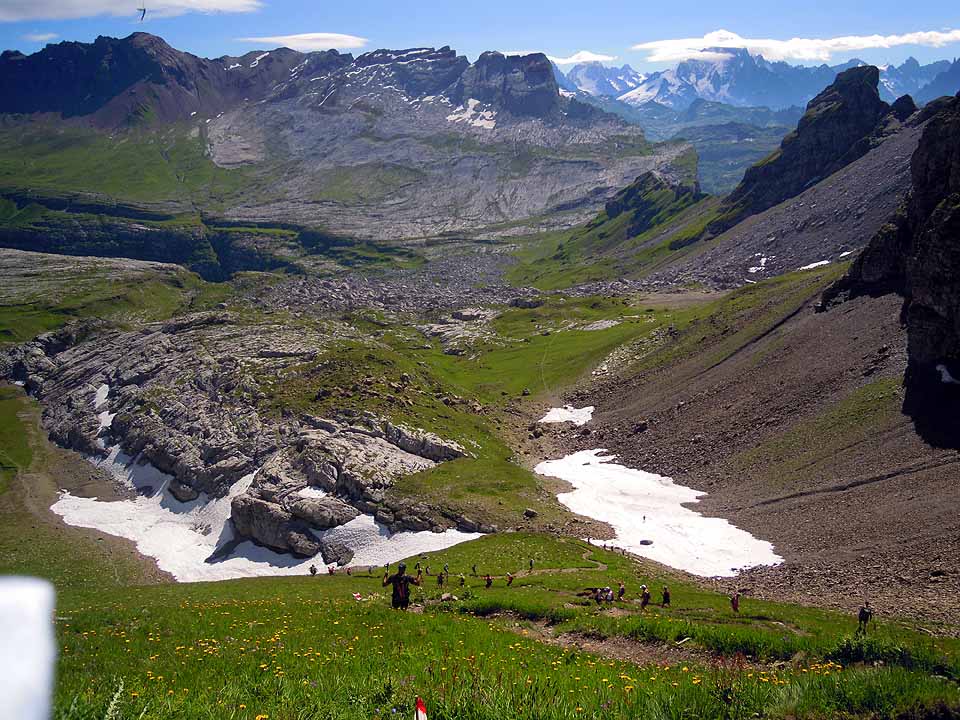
<point x="561" y="28"/>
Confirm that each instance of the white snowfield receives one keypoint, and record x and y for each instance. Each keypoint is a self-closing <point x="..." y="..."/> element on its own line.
<point x="568" y="413"/>
<point x="811" y="266"/>
<point x="28" y="650"/>
<point x="181" y="536"/>
<point x="648" y="516"/>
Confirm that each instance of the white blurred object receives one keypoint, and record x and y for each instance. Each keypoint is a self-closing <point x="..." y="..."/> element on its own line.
<point x="27" y="648"/>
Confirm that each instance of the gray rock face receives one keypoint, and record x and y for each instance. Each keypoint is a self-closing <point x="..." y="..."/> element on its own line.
<point x="521" y="85"/>
<point x="184" y="397"/>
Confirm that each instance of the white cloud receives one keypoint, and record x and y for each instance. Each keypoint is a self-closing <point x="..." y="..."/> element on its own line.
<point x="582" y="56"/>
<point x="818" y="49"/>
<point x="40" y="37"/>
<point x="14" y="10"/>
<point x="307" y="42"/>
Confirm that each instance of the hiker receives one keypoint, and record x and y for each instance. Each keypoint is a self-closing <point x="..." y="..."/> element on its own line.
<point x="417" y="566"/>
<point x="864" y="617"/>
<point x="440" y="580"/>
<point x="313" y="570"/>
<point x="644" y="597"/>
<point x="598" y="595"/>
<point x="621" y="591"/>
<point x="474" y="569"/>
<point x="428" y="571"/>
<point x="463" y="580"/>
<point x="446" y="568"/>
<point x="509" y="579"/>
<point x="665" y="597"/>
<point x="735" y="601"/>
<point x="531" y="564"/>
<point x="349" y="572"/>
<point x="401" y="586"/>
<point x="489" y="581"/>
<point x="331" y="569"/>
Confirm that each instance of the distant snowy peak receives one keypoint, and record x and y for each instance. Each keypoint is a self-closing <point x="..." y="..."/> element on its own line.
<point x="597" y="79"/>
<point x="736" y="77"/>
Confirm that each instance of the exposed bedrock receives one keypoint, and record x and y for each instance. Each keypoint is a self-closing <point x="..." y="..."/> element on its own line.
<point x="917" y="254"/>
<point x="184" y="396"/>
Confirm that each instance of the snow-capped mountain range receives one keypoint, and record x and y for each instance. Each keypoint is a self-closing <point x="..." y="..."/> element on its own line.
<point x="737" y="77"/>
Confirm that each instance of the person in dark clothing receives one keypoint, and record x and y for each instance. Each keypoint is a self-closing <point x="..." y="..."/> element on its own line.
<point x="489" y="581"/>
<point x="313" y="569"/>
<point x="474" y="569"/>
<point x="864" y="617"/>
<point x="463" y="580"/>
<point x="401" y="586"/>
<point x="509" y="579"/>
<point x="440" y="580"/>
<point x="621" y="591"/>
<point x="735" y="601"/>
<point x="644" y="597"/>
<point x="531" y="565"/>
<point x="665" y="597"/>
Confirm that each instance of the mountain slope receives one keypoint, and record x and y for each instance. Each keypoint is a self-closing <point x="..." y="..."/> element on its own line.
<point x="945" y="84"/>
<point x="831" y="134"/>
<point x="291" y="147"/>
<point x="734" y="76"/>
<point x="917" y="255"/>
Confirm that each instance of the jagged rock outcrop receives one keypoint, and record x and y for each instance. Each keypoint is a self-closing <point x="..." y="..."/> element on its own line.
<point x="521" y="85"/>
<point x="918" y="256"/>
<point x="652" y="198"/>
<point x="830" y="135"/>
<point x="183" y="395"/>
<point x="115" y="81"/>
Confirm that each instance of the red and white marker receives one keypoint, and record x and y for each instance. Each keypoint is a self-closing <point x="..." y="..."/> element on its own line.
<point x="421" y="710"/>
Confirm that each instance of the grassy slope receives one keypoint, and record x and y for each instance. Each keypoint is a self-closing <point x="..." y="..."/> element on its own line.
<point x="139" y="167"/>
<point x="95" y="294"/>
<point x="605" y="249"/>
<point x="304" y="648"/>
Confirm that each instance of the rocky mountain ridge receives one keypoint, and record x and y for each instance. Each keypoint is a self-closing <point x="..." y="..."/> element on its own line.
<point x="387" y="146"/>
<point x="917" y="255"/>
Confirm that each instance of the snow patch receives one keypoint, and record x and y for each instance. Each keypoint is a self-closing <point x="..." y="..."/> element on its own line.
<point x="945" y="377"/>
<point x="258" y="59"/>
<point x="601" y="325"/>
<point x="845" y="254"/>
<point x="648" y="515"/>
<point x="568" y="413"/>
<point x="28" y="651"/>
<point x="311" y="492"/>
<point x="181" y="536"/>
<point x="236" y="65"/>
<point x="470" y="113"/>
<point x="811" y="266"/>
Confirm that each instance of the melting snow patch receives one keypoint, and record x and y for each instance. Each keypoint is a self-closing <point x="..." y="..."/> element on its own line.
<point x="648" y="515"/>
<point x="312" y="492"/>
<point x="762" y="264"/>
<point x="470" y="114"/>
<point x="601" y="325"/>
<point x="568" y="413"/>
<point x="181" y="536"/>
<point x="258" y="59"/>
<point x="811" y="266"/>
<point x="945" y="377"/>
<point x="848" y="252"/>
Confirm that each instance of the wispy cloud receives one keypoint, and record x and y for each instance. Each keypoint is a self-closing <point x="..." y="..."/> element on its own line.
<point x="821" y="49"/>
<point x="582" y="56"/>
<point x="15" y="10"/>
<point x="40" y="37"/>
<point x="307" y="42"/>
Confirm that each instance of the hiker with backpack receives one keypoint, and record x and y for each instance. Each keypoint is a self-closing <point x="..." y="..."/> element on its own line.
<point x="401" y="586"/>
